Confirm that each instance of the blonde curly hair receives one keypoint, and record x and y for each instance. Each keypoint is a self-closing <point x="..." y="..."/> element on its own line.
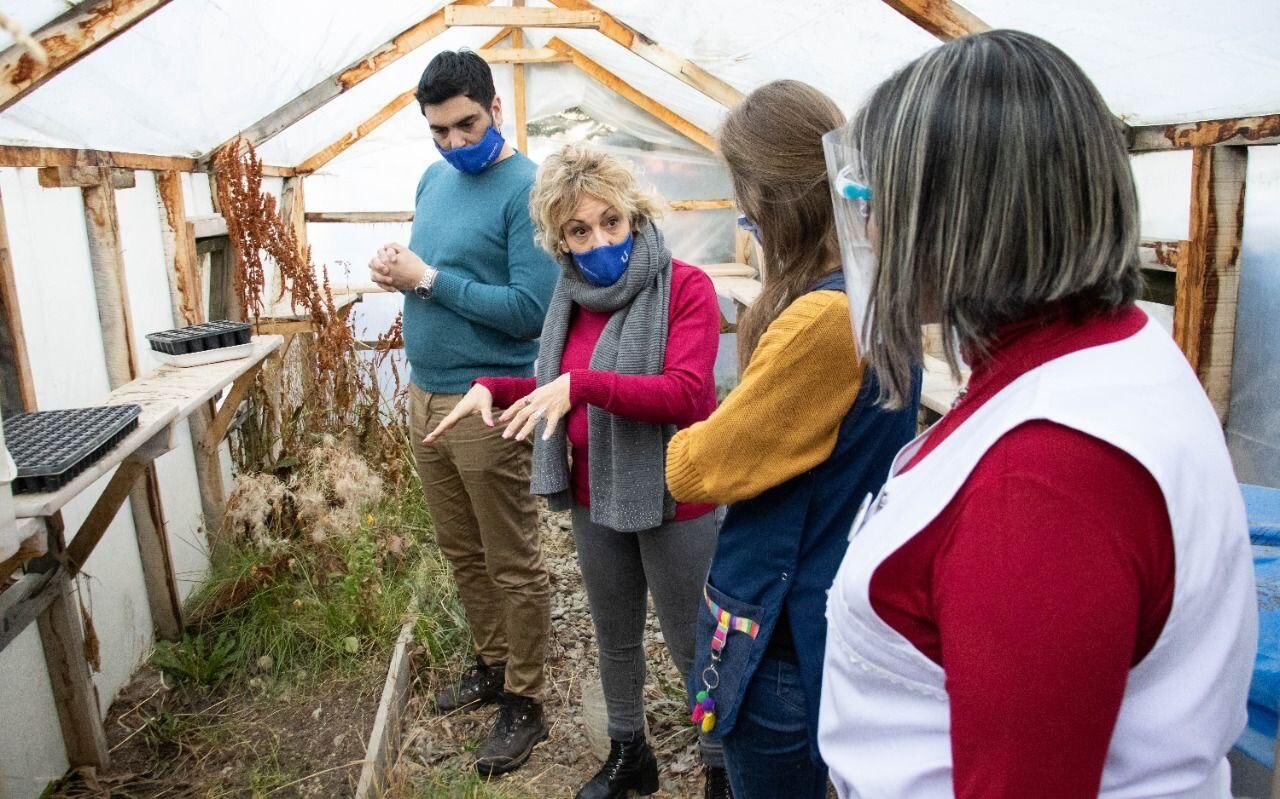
<point x="576" y="171"/>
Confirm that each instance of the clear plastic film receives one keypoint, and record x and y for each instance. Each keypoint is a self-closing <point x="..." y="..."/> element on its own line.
<point x="851" y="197"/>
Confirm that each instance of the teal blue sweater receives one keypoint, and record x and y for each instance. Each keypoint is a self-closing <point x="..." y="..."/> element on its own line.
<point x="487" y="304"/>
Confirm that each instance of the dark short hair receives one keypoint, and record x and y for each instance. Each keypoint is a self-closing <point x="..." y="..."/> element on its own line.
<point x="453" y="73"/>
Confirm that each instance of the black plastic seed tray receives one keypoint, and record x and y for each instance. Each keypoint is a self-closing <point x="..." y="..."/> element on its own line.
<point x="198" y="338"/>
<point x="52" y="447"/>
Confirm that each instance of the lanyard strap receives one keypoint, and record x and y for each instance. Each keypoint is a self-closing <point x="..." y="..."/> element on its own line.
<point x="726" y="621"/>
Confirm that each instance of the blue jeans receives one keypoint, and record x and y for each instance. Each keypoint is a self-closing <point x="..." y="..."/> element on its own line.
<point x="767" y="753"/>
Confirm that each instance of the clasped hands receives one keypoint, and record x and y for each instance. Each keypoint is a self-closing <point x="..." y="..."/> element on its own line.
<point x="549" y="403"/>
<point x="397" y="268"/>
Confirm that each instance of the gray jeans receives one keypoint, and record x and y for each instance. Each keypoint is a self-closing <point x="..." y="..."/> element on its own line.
<point x="619" y="569"/>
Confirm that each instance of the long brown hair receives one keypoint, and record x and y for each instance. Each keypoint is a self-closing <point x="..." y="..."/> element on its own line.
<point x="772" y="143"/>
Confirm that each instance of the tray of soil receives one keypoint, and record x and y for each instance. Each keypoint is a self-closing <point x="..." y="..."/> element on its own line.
<point x="200" y="344"/>
<point x="52" y="447"/>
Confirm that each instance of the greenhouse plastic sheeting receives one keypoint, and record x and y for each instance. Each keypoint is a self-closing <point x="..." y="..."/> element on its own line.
<point x="1259" y="738"/>
<point x="193" y="73"/>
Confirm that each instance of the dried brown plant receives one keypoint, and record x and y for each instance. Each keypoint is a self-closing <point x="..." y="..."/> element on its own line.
<point x="333" y="389"/>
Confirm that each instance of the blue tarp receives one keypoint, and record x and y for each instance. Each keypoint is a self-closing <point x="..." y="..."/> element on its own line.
<point x="1259" y="739"/>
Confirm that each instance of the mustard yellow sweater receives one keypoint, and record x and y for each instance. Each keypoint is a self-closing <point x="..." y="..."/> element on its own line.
<point x="784" y="415"/>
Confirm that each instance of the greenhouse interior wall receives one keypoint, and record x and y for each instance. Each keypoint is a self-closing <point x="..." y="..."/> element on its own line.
<point x="50" y="254"/>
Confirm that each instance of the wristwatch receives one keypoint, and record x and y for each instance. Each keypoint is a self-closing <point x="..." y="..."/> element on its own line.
<point x="423" y="289"/>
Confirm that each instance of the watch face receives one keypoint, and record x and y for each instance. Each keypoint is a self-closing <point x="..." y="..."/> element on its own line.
<point x="422" y="292"/>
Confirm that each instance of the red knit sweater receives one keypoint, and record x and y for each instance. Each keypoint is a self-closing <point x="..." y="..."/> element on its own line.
<point x="684" y="393"/>
<point x="1043" y="582"/>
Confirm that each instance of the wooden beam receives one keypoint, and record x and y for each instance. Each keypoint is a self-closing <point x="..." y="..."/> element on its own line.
<point x="106" y="259"/>
<point x="11" y="155"/>
<point x="239" y="389"/>
<point x="1160" y="253"/>
<point x="518" y="84"/>
<point x="1208" y="278"/>
<point x="669" y="62"/>
<point x="521" y="55"/>
<point x="497" y="38"/>
<point x="185" y="286"/>
<point x="384" y="738"/>
<point x="68" y="38"/>
<point x="1246" y="130"/>
<point x="360" y="217"/>
<point x="207" y="226"/>
<point x="185" y="290"/>
<point x="520" y="17"/>
<point x="74" y="693"/>
<point x="344" y="142"/>
<point x="611" y="81"/>
<point x="18" y="366"/>
<point x="104" y="510"/>
<point x="343" y="80"/>
<point x="700" y="205"/>
<point x="61" y="177"/>
<point x="944" y="19"/>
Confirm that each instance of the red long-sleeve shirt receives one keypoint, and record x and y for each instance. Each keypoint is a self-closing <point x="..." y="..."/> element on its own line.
<point x="684" y="393"/>
<point x="1043" y="582"/>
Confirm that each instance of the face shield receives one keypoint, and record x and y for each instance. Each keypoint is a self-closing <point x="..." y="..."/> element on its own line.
<point x="851" y="196"/>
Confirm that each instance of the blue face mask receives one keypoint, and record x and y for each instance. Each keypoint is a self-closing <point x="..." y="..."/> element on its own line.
<point x="749" y="226"/>
<point x="602" y="266"/>
<point x="475" y="158"/>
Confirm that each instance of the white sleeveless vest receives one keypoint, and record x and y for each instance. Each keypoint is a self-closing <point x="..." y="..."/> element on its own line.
<point x="884" y="726"/>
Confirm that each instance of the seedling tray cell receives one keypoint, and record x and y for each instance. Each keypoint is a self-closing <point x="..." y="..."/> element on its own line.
<point x="199" y="338"/>
<point x="52" y="447"/>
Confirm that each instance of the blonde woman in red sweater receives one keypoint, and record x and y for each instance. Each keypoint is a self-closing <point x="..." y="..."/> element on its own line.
<point x="626" y="359"/>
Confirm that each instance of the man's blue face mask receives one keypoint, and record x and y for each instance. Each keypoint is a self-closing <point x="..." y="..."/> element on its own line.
<point x="602" y="266"/>
<point x="475" y="158"/>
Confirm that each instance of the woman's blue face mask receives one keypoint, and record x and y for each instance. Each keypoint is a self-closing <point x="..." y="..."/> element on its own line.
<point x="749" y="226"/>
<point x="603" y="266"/>
<point x="475" y="158"/>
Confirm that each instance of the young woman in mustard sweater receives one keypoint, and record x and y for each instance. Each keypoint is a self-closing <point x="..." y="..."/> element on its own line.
<point x="793" y="450"/>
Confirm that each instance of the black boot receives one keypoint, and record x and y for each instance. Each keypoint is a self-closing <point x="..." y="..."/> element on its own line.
<point x="716" y="783"/>
<point x="518" y="728"/>
<point x="631" y="766"/>
<point x="479" y="685"/>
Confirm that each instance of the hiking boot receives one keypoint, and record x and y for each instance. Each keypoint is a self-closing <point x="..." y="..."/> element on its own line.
<point x="518" y="728"/>
<point x="480" y="685"/>
<point x="716" y="783"/>
<point x="631" y="766"/>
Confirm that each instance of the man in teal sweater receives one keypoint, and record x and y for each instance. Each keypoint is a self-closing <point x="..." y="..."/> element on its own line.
<point x="476" y="288"/>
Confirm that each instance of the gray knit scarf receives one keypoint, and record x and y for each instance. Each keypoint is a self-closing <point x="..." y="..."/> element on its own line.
<point x="626" y="461"/>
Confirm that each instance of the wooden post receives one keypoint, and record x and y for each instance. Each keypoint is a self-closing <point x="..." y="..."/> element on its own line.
<point x="107" y="261"/>
<point x="293" y="210"/>
<point x="19" y="391"/>
<point x="675" y="65"/>
<point x="628" y="92"/>
<point x="521" y="97"/>
<point x="1208" y="280"/>
<point x="188" y="309"/>
<point x="62" y="638"/>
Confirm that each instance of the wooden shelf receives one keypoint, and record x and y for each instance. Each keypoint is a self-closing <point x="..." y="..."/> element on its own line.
<point x="152" y="437"/>
<point x="168" y="395"/>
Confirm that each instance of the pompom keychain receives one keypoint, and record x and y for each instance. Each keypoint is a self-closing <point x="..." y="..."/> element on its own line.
<point x="704" y="707"/>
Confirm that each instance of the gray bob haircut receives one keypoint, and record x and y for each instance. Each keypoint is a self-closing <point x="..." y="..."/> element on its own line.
<point x="1001" y="190"/>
